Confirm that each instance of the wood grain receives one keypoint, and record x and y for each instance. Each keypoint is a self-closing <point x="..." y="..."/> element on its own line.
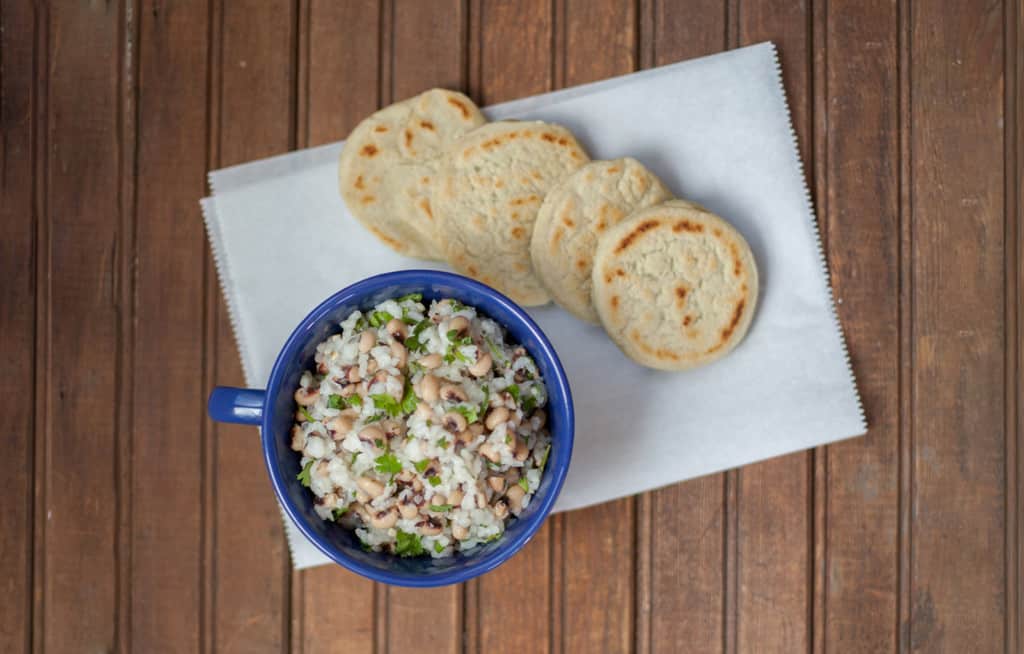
<point x="862" y="490"/>
<point x="17" y="322"/>
<point x="687" y="521"/>
<point x="255" y="104"/>
<point x="958" y="490"/>
<point x="334" y="610"/>
<point x="598" y="579"/>
<point x="510" y="609"/>
<point x="77" y="504"/>
<point x="774" y="546"/>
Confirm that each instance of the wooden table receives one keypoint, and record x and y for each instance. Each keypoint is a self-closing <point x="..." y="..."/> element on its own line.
<point x="130" y="522"/>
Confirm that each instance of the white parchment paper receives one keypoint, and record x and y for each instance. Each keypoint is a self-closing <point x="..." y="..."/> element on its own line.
<point x="717" y="131"/>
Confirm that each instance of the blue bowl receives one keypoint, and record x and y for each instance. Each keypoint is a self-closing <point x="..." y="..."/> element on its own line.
<point x="274" y="408"/>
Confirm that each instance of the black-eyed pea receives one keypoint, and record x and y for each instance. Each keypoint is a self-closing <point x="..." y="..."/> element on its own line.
<point x="454" y="422"/>
<point x="366" y="341"/>
<point x="515" y="497"/>
<point x="430" y="387"/>
<point x="496" y="417"/>
<point x="400" y="354"/>
<point x="429" y="527"/>
<point x="482" y="365"/>
<point x="539" y="418"/>
<point x="522" y="452"/>
<point x="431" y="361"/>
<point x="423" y="411"/>
<point x="298" y="439"/>
<point x="384" y="519"/>
<point x="371" y="487"/>
<point x="398" y="329"/>
<point x="488" y="451"/>
<point x="497" y="484"/>
<point x="500" y="509"/>
<point x="453" y="393"/>
<point x="408" y="510"/>
<point x="307" y="396"/>
<point x="455" y="497"/>
<point x="459" y="532"/>
<point x="460" y="324"/>
<point x="371" y="434"/>
<point x="339" y="427"/>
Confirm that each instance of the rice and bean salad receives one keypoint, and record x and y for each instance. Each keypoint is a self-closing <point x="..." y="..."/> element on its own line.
<point x="423" y="430"/>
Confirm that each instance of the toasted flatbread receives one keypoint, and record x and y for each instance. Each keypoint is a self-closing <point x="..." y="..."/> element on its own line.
<point x="575" y="213"/>
<point x="486" y="196"/>
<point x="675" y="286"/>
<point x="388" y="163"/>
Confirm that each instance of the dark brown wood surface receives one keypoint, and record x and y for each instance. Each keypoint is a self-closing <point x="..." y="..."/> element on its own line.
<point x="130" y="522"/>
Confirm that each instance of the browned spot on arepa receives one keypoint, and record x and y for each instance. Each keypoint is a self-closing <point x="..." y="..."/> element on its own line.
<point x="461" y="106"/>
<point x="629" y="239"/>
<point x="369" y="150"/>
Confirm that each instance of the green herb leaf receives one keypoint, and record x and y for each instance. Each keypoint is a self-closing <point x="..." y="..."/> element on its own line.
<point x="434" y="480"/>
<point x="440" y="508"/>
<point x="529" y="402"/>
<point x="470" y="413"/>
<point x="443" y="443"/>
<point x="355" y="400"/>
<point x="438" y="547"/>
<point x="360" y="324"/>
<point x="495" y="351"/>
<point x="388" y="463"/>
<point x="456" y="305"/>
<point x="525" y="485"/>
<point x="508" y="439"/>
<point x="408" y="544"/>
<point x="492" y="464"/>
<point x="385" y="402"/>
<point x="544" y="459"/>
<point x="336" y="402"/>
<point x="337" y="513"/>
<point x="376" y="418"/>
<point x="514" y="392"/>
<point x="355" y="455"/>
<point x="491" y="539"/>
<point x="415" y="297"/>
<point x="421" y="465"/>
<point x="409" y="401"/>
<point x="306" y="414"/>
<point x="378" y="318"/>
<point x="379" y="443"/>
<point x="304" y="475"/>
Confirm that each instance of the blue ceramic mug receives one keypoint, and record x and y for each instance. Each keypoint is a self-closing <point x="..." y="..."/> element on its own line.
<point x="273" y="411"/>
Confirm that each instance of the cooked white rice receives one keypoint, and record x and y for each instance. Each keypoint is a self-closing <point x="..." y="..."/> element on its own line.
<point x="430" y="455"/>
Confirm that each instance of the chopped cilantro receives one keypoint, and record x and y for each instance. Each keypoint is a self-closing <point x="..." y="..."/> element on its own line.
<point x="408" y="544"/>
<point x="440" y="508"/>
<point x="491" y="539"/>
<point x="355" y="455"/>
<point x="530" y="401"/>
<point x="379" y="443"/>
<point x="434" y="480"/>
<point x="304" y="475"/>
<point x="508" y="439"/>
<point x="421" y="465"/>
<point x="360" y="324"/>
<point x="495" y="351"/>
<point x="525" y="485"/>
<point x="336" y="402"/>
<point x="413" y="343"/>
<point x="544" y="459"/>
<point x="388" y="463"/>
<point x="409" y="401"/>
<point x="513" y="390"/>
<point x="470" y="413"/>
<point x="406" y="318"/>
<point x="456" y="305"/>
<point x="337" y="513"/>
<point x="306" y="414"/>
<point x="438" y="547"/>
<point x="379" y="318"/>
<point x="443" y="443"/>
<point x="387" y="403"/>
<point x="492" y="464"/>
<point x="415" y="297"/>
<point x="376" y="418"/>
<point x="355" y="400"/>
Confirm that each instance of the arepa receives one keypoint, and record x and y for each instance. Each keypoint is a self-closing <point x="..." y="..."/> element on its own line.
<point x="574" y="215"/>
<point x="389" y="161"/>
<point x="486" y="197"/>
<point x="675" y="286"/>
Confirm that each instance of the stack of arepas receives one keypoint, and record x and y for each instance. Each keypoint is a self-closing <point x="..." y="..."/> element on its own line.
<point x="520" y="207"/>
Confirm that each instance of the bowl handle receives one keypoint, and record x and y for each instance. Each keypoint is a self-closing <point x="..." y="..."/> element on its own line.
<point x="239" y="405"/>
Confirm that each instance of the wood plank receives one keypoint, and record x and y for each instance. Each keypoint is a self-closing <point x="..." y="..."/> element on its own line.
<point x="255" y="113"/>
<point x="167" y="407"/>
<point x="17" y="322"/>
<point x="774" y="547"/>
<point x="77" y="379"/>
<point x="685" y="599"/>
<point x="861" y="211"/>
<point x="342" y="90"/>
<point x="958" y="584"/>
<point x="598" y="578"/>
<point x="512" y="608"/>
<point x="428" y="43"/>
